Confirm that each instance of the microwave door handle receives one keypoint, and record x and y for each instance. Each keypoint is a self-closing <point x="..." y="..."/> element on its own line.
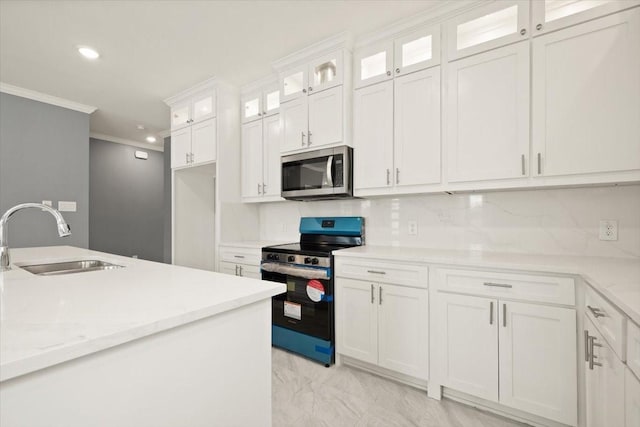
<point x="330" y="171"/>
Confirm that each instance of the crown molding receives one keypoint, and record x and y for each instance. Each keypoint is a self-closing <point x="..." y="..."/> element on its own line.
<point x="208" y="84"/>
<point x="271" y="79"/>
<point x="342" y="40"/>
<point x="47" y="99"/>
<point x="124" y="141"/>
<point x="164" y="133"/>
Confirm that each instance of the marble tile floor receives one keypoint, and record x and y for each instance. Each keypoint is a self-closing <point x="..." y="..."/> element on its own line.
<point x="306" y="394"/>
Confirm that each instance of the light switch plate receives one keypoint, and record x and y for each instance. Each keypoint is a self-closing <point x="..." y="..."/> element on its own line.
<point x="66" y="206"/>
<point x="412" y="228"/>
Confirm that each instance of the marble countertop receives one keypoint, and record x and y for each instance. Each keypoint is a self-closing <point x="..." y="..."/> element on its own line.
<point x="46" y="320"/>
<point x="618" y="279"/>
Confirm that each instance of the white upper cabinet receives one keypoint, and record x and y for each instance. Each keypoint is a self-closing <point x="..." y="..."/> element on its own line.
<point x="293" y="83"/>
<point x="203" y="142"/>
<point x="260" y="142"/>
<point x="260" y="103"/>
<point x="326" y="71"/>
<point x="325" y="118"/>
<point x="488" y="115"/>
<point x="198" y="108"/>
<point x="586" y="97"/>
<point x="550" y="15"/>
<point x="408" y="53"/>
<point x="373" y="64"/>
<point x="295" y="124"/>
<point x="488" y="27"/>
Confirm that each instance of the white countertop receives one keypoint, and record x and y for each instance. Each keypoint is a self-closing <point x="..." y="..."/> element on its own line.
<point x="45" y="320"/>
<point x="253" y="244"/>
<point x="618" y="279"/>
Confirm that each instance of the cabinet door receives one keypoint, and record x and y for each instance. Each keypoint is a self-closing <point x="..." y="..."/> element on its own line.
<point x="418" y="50"/>
<point x="373" y="64"/>
<point x="293" y="119"/>
<point x="251" y="155"/>
<point x="467" y="344"/>
<point x="271" y="101"/>
<point x="417" y="128"/>
<point x="180" y="116"/>
<point x="373" y="136"/>
<point x="326" y="71"/>
<point x="604" y="384"/>
<point x="403" y="330"/>
<point x="538" y="371"/>
<point x="325" y="117"/>
<point x="487" y="27"/>
<point x="203" y="107"/>
<point x="181" y="147"/>
<point x="586" y="104"/>
<point x="293" y="83"/>
<point x="251" y="106"/>
<point x="552" y="15"/>
<point x="632" y="399"/>
<point x="488" y="115"/>
<point x="357" y="319"/>
<point x="229" y="268"/>
<point x="271" y="166"/>
<point x="203" y="141"/>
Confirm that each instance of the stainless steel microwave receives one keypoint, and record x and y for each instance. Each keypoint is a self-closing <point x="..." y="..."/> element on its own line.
<point x="320" y="174"/>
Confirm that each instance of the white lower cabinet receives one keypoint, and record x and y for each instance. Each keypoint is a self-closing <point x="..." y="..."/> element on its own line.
<point x="632" y="399"/>
<point x="605" y="381"/>
<point x="240" y="261"/>
<point x="519" y="353"/>
<point x="383" y="324"/>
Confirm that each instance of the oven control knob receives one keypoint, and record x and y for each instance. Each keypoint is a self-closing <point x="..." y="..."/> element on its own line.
<point x="276" y="257"/>
<point x="307" y="260"/>
<point x="269" y="256"/>
<point x="291" y="258"/>
<point x="314" y="261"/>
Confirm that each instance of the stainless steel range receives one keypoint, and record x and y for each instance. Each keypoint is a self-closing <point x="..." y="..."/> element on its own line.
<point x="303" y="317"/>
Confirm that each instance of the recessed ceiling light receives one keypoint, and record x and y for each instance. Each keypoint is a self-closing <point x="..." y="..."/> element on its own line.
<point x="140" y="127"/>
<point x="151" y="139"/>
<point x="88" y="52"/>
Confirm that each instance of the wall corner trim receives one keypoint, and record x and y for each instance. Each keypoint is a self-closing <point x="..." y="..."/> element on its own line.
<point x="124" y="141"/>
<point x="47" y="99"/>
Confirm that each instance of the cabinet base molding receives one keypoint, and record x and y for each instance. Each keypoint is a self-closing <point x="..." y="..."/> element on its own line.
<point x="496" y="408"/>
<point x="385" y="373"/>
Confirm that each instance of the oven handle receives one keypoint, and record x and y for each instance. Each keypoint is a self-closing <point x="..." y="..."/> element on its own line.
<point x="291" y="270"/>
<point x="330" y="170"/>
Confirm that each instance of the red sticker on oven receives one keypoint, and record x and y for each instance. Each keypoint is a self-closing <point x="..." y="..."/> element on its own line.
<point x="315" y="290"/>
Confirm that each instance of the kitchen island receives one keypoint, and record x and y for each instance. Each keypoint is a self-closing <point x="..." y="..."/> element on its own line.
<point x="148" y="344"/>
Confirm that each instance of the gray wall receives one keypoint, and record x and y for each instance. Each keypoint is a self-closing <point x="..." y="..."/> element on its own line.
<point x="126" y="201"/>
<point x="167" y="200"/>
<point x="44" y="155"/>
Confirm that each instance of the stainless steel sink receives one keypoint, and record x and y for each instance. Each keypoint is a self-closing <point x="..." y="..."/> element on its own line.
<point x="69" y="267"/>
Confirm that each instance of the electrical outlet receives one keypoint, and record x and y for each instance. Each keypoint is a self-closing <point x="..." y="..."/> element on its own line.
<point x="608" y="229"/>
<point x="66" y="206"/>
<point x="412" y="228"/>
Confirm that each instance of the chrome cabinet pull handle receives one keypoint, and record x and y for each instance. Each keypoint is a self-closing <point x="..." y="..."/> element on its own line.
<point x="592" y="359"/>
<point x="236" y="269"/>
<point x="186" y="155"/>
<point x="310" y="88"/>
<point x="397" y="70"/>
<point x="304" y="91"/>
<point x="376" y="272"/>
<point x="596" y="312"/>
<point x="522" y="161"/>
<point x="380" y="295"/>
<point x="491" y="313"/>
<point x="264" y="186"/>
<point x="397" y="176"/>
<point x="258" y="188"/>
<point x="586" y="346"/>
<point x="372" y="294"/>
<point x="539" y="27"/>
<point x="239" y="256"/>
<point x="497" y="285"/>
<point x="388" y="73"/>
<point x="504" y="315"/>
<point x="388" y="177"/>
<point x="539" y="164"/>
<point x="302" y="138"/>
<point x="523" y="31"/>
<point x="240" y="270"/>
<point x="309" y="139"/>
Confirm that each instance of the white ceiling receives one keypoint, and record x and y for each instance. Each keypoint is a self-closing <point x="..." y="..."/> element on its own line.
<point x="151" y="50"/>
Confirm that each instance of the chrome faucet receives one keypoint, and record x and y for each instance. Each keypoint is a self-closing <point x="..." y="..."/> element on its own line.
<point x="63" y="229"/>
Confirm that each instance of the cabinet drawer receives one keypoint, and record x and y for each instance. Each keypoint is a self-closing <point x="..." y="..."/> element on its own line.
<point x="633" y="347"/>
<point x="549" y="289"/>
<point x="383" y="272"/>
<point x="237" y="255"/>
<point x="609" y="321"/>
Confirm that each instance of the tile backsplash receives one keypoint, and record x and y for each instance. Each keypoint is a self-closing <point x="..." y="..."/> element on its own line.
<point x="557" y="221"/>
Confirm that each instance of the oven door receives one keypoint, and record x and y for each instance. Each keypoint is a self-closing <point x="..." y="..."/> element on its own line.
<point x="317" y="173"/>
<point x="306" y="306"/>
